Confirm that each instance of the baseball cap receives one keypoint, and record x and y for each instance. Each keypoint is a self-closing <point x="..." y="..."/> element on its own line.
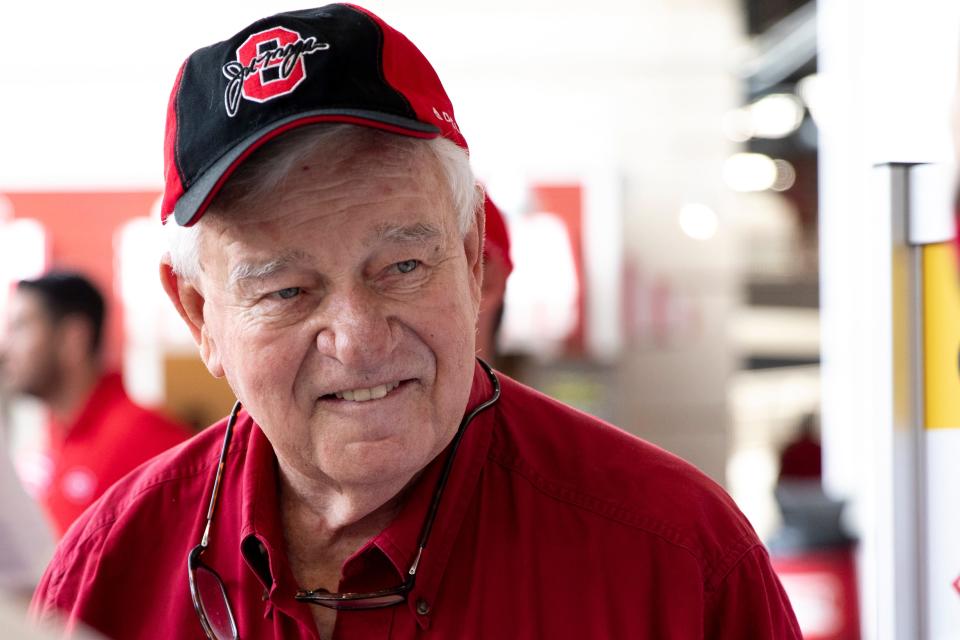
<point x="497" y="241"/>
<point x="337" y="63"/>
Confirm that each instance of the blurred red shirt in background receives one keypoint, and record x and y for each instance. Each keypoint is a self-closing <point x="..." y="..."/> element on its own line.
<point x="108" y="438"/>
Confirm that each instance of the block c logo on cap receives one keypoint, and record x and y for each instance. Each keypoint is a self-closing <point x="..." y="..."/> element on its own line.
<point x="269" y="64"/>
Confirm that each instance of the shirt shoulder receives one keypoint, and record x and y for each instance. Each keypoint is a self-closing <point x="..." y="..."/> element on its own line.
<point x="128" y="516"/>
<point x="176" y="467"/>
<point x="584" y="463"/>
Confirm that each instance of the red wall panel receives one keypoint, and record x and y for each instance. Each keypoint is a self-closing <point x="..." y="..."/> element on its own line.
<point x="81" y="228"/>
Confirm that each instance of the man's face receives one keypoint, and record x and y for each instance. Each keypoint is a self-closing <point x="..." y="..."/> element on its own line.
<point x="29" y="351"/>
<point x="353" y="282"/>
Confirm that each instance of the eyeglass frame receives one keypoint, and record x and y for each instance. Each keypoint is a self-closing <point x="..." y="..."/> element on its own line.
<point x="322" y="597"/>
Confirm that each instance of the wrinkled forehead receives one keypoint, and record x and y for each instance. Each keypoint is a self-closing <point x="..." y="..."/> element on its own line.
<point x="318" y="211"/>
<point x="370" y="199"/>
<point x="317" y="183"/>
<point x="329" y="155"/>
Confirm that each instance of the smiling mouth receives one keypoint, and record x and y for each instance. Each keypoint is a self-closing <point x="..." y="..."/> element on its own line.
<point x="364" y="395"/>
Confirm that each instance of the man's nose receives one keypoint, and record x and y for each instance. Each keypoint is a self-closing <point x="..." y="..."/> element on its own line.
<point x="357" y="330"/>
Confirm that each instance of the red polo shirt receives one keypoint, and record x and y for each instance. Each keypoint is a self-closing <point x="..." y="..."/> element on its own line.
<point x="553" y="525"/>
<point x="109" y="437"/>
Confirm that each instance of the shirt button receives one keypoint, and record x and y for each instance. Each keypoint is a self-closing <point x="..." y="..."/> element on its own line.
<point x="423" y="607"/>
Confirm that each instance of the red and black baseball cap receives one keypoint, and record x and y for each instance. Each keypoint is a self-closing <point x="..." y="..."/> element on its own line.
<point x="338" y="63"/>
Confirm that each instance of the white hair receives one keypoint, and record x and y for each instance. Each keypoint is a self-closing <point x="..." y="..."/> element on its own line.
<point x="269" y="167"/>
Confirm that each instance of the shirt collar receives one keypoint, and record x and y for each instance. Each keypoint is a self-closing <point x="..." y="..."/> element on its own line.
<point x="261" y="535"/>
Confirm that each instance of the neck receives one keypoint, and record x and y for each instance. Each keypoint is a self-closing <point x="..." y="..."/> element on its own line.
<point x="68" y="397"/>
<point x="325" y="523"/>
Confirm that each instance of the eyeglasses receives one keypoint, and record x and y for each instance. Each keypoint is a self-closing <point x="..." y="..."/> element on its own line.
<point x="206" y="588"/>
<point x="210" y="595"/>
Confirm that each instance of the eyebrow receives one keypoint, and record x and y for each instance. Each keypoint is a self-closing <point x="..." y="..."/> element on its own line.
<point x="388" y="232"/>
<point x="420" y="232"/>
<point x="259" y="270"/>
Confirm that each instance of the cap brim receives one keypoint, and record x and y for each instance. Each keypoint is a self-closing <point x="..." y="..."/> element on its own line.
<point x="194" y="202"/>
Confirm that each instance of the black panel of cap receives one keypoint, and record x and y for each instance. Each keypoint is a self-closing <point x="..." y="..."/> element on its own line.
<point x="347" y="75"/>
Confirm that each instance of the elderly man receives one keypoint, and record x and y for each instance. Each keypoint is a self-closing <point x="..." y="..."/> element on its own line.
<point x="379" y="482"/>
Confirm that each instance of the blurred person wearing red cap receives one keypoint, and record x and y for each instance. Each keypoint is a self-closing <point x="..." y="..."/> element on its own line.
<point x="52" y="352"/>
<point x="497" y="267"/>
<point x="801" y="458"/>
<point x="375" y="479"/>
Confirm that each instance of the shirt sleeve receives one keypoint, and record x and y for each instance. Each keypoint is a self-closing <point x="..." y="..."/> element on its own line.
<point x="43" y="608"/>
<point x="57" y="598"/>
<point x="750" y="603"/>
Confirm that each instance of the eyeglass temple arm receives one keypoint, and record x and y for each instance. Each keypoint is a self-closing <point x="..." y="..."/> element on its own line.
<point x="448" y="463"/>
<point x="228" y="432"/>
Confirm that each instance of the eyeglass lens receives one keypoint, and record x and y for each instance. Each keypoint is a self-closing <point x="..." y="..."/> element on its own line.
<point x="213" y="600"/>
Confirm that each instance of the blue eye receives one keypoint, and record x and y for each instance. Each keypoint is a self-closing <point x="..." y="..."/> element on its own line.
<point x="407" y="266"/>
<point x="289" y="292"/>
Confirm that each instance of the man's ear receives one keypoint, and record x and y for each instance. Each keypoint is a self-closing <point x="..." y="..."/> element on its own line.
<point x="473" y="243"/>
<point x="189" y="302"/>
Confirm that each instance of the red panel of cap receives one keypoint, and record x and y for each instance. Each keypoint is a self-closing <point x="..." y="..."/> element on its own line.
<point x="497" y="241"/>
<point x="404" y="66"/>
<point x="173" y="186"/>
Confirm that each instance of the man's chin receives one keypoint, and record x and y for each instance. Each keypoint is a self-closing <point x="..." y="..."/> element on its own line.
<point x="373" y="462"/>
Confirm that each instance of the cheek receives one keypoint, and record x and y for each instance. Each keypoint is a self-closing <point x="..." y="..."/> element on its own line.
<point x="34" y="346"/>
<point x="453" y="332"/>
<point x="255" y="360"/>
<point x="453" y="317"/>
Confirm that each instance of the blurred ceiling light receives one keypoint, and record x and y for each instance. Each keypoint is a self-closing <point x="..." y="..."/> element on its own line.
<point x="786" y="175"/>
<point x="776" y="115"/>
<point x="746" y="172"/>
<point x="737" y="125"/>
<point x="809" y="88"/>
<point x="773" y="116"/>
<point x="698" y="221"/>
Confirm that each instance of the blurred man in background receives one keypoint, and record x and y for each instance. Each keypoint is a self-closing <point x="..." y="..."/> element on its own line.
<point x="52" y="352"/>
<point x="496" y="269"/>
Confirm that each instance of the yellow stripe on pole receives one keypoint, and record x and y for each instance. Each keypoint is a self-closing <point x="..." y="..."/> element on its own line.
<point x="941" y="336"/>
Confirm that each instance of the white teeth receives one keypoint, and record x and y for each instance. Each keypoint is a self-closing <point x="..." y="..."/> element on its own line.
<point x="362" y="395"/>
